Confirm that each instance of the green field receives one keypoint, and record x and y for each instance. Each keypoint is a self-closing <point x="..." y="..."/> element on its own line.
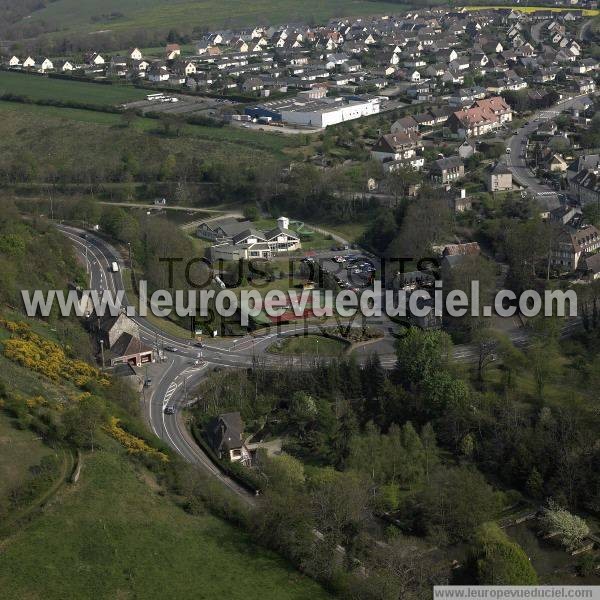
<point x="44" y="88"/>
<point x="311" y="344"/>
<point x="82" y="15"/>
<point x="19" y="451"/>
<point x="113" y="535"/>
<point x="222" y="139"/>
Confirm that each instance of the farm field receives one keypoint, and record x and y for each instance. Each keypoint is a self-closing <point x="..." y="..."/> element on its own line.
<point x="87" y="15"/>
<point x="44" y="88"/>
<point x="529" y="9"/>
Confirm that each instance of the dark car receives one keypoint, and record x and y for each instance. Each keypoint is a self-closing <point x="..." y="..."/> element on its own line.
<point x="169" y="410"/>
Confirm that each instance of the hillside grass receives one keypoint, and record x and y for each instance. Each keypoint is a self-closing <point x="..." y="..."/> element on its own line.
<point x="112" y="535"/>
<point x="78" y="15"/>
<point x="244" y="140"/>
<point x="117" y="533"/>
<point x="45" y="88"/>
<point x="19" y="451"/>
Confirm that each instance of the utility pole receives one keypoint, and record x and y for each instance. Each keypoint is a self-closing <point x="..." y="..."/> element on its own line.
<point x="102" y="351"/>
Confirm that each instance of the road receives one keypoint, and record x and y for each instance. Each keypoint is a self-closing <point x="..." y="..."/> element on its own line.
<point x="515" y="161"/>
<point x="181" y="370"/>
<point x="585" y="32"/>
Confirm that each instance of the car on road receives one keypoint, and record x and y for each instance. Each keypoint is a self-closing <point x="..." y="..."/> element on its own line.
<point x="169" y="410"/>
<point x="148" y="383"/>
<point x="171" y="349"/>
<point x="198" y="344"/>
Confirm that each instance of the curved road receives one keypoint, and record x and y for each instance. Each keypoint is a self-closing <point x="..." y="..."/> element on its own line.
<point x="187" y="365"/>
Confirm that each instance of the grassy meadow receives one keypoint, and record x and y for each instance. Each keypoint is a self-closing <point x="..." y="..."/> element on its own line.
<point x="45" y="88"/>
<point x="91" y="15"/>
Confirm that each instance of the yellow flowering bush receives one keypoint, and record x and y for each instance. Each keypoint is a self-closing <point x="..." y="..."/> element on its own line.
<point x="133" y="444"/>
<point x="14" y="327"/>
<point x="46" y="357"/>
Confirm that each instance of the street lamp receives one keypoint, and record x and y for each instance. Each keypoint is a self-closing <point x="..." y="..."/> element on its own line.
<point x="102" y="351"/>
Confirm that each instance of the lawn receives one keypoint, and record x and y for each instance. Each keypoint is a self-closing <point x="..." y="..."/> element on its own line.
<point x="44" y="88"/>
<point x="314" y="345"/>
<point x="113" y="535"/>
<point x="82" y="15"/>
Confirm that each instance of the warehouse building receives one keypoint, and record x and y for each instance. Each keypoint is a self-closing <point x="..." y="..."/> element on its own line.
<point x="320" y="113"/>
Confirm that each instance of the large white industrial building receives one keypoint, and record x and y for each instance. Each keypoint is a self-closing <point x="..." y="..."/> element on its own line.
<point x="321" y="113"/>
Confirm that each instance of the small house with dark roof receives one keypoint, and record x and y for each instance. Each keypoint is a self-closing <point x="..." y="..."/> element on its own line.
<point x="447" y="170"/>
<point x="225" y="436"/>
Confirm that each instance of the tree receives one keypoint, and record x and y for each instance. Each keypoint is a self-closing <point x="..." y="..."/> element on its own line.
<point x="570" y="528"/>
<point x="282" y="471"/>
<point x="443" y="391"/>
<point x="454" y="503"/>
<point x="338" y="501"/>
<point x="422" y="353"/>
<point x="497" y="560"/>
<point x="83" y="420"/>
<point x="128" y="117"/>
<point x="430" y="449"/>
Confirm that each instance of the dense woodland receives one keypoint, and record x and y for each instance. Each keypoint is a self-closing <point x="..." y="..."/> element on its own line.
<point x="440" y="448"/>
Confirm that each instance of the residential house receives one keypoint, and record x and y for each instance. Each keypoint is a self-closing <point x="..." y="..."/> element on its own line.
<point x="483" y="117"/>
<point x="65" y="66"/>
<point x="499" y="178"/>
<point x="225" y="436"/>
<point x="406" y="125"/>
<point x="447" y="170"/>
<point x="585" y="186"/>
<point x="556" y="164"/>
<point x="574" y="244"/>
<point x="239" y="239"/>
<point x="43" y="64"/>
<point x="396" y="147"/>
<point x="172" y="51"/>
<point x="466" y="149"/>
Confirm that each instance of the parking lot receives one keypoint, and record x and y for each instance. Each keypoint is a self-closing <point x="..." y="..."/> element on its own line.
<point x="179" y="104"/>
<point x="350" y="269"/>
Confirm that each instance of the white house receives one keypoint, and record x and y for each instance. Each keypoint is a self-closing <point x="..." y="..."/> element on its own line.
<point x="136" y="54"/>
<point x="14" y="61"/>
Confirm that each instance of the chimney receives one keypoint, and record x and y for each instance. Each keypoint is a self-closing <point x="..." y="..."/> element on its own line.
<point x="283" y="222"/>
